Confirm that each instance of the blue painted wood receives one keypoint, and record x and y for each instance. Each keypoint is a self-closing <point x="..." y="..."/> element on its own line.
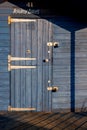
<point x="34" y="51"/>
<point x="3" y="18"/>
<point x="62" y="68"/>
<point x="6" y="11"/>
<point x="4" y="30"/>
<point x="23" y="54"/>
<point x="12" y="79"/>
<point x="5" y="43"/>
<point x="27" y="89"/>
<point x="28" y="72"/>
<point x="40" y="67"/>
<point x="4" y="24"/>
<point x="17" y="74"/>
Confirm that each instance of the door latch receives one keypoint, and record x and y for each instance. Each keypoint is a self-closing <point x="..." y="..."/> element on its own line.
<point x="54" y="44"/>
<point x="46" y="60"/>
<point x="53" y="89"/>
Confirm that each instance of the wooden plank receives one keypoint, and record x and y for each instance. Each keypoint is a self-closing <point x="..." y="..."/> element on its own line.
<point x="4" y="30"/>
<point x="50" y="67"/>
<point x="81" y="36"/>
<point x="77" y="123"/>
<point x="4" y="49"/>
<point x="3" y="24"/>
<point x="80" y="43"/>
<point x="65" y="124"/>
<point x="17" y="84"/>
<point x="48" y="121"/>
<point x="61" y="69"/>
<point x="61" y="55"/>
<point x="58" y="29"/>
<point x="65" y="36"/>
<point x="28" y="73"/>
<point x="3" y="18"/>
<point x="32" y="123"/>
<point x="56" y="122"/>
<point x="25" y="119"/>
<point x="4" y="76"/>
<point x="57" y="62"/>
<point x="12" y="74"/>
<point x="45" y="71"/>
<point x="34" y="51"/>
<point x="3" y="56"/>
<point x="4" y="43"/>
<point x="5" y="11"/>
<point x="39" y="120"/>
<point x="16" y="116"/>
<point x="46" y="24"/>
<point x="22" y="71"/>
<point x="6" y="82"/>
<point x="40" y="67"/>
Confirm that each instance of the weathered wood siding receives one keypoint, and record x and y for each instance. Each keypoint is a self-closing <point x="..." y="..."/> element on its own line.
<point x="29" y="86"/>
<point x="69" y="63"/>
<point x="61" y="65"/>
<point x="4" y="51"/>
<point x="81" y="68"/>
<point x="69" y="66"/>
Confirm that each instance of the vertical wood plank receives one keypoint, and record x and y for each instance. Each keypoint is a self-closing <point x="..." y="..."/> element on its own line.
<point x="12" y="86"/>
<point x="34" y="55"/>
<point x="23" y="51"/>
<point x="39" y="93"/>
<point x="47" y="64"/>
<point x="50" y="31"/>
<point x="28" y="71"/>
<point x="17" y="72"/>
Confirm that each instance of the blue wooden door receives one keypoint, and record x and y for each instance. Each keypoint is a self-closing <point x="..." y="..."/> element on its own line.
<point x="29" y="85"/>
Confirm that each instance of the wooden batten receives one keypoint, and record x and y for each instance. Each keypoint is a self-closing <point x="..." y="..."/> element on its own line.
<point x="20" y="109"/>
<point x="14" y="20"/>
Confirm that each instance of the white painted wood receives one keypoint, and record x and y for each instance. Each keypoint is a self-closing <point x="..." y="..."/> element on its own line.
<point x="22" y="20"/>
<point x="20" y="109"/>
<point x="21" y="67"/>
<point x="10" y="58"/>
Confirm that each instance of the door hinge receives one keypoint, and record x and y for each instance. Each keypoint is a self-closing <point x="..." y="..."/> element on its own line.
<point x="14" y="20"/>
<point x="20" y="109"/>
<point x="10" y="67"/>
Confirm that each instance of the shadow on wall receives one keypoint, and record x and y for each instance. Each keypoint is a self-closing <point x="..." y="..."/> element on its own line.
<point x="72" y="25"/>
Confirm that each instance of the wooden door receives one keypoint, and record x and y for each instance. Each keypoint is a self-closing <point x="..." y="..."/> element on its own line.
<point x="30" y="78"/>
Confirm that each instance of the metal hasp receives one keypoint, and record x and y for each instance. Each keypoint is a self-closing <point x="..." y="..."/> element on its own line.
<point x="20" y="109"/>
<point x="53" y="89"/>
<point x="10" y="67"/>
<point x="46" y="60"/>
<point x="54" y="44"/>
